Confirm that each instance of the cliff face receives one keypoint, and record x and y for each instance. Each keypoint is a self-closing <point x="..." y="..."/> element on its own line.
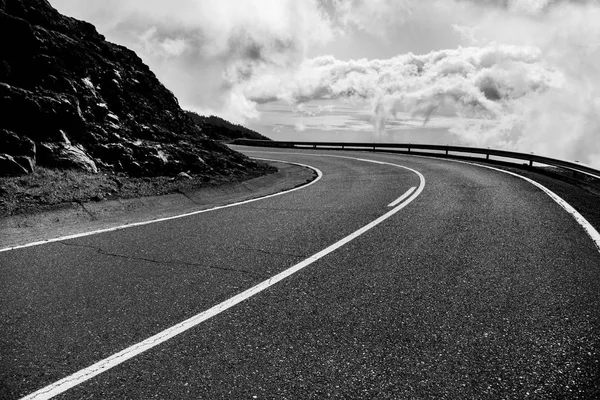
<point x="69" y="99"/>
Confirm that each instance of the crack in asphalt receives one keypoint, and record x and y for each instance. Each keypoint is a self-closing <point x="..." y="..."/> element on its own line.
<point x="137" y="258"/>
<point x="188" y="197"/>
<point x="91" y="214"/>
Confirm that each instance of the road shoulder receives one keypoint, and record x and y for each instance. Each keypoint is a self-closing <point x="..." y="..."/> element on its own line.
<point x="74" y="218"/>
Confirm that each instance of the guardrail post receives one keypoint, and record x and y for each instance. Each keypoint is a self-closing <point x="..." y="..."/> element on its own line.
<point x="446" y="149"/>
<point x="314" y="146"/>
<point x="409" y="149"/>
<point x="531" y="161"/>
<point x="487" y="155"/>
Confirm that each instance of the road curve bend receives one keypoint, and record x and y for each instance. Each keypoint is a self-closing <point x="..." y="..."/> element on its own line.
<point x="474" y="285"/>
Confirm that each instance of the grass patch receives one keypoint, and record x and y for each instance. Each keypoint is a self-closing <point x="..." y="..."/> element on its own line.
<point x="48" y="189"/>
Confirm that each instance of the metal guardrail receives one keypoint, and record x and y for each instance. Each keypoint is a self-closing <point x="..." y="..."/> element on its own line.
<point x="409" y="148"/>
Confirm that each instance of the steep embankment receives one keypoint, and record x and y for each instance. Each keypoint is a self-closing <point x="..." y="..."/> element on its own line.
<point x="70" y="99"/>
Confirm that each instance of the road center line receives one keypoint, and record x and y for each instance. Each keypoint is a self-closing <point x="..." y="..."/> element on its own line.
<point x="401" y="198"/>
<point x="104" y="365"/>
<point x="580" y="219"/>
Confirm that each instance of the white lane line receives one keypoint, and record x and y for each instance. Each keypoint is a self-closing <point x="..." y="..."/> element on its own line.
<point x="587" y="227"/>
<point x="116" y="228"/>
<point x="584" y="223"/>
<point x="132" y="351"/>
<point x="401" y="198"/>
<point x="392" y="204"/>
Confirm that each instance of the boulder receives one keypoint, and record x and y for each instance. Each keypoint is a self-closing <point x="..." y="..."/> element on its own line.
<point x="65" y="156"/>
<point x="183" y="175"/>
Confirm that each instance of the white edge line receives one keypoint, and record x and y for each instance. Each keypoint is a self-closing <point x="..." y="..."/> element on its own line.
<point x="130" y="352"/>
<point x="401" y="198"/>
<point x="587" y="227"/>
<point x="116" y="228"/>
<point x="580" y="219"/>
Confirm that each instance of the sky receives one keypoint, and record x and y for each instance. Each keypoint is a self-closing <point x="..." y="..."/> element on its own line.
<point x="510" y="74"/>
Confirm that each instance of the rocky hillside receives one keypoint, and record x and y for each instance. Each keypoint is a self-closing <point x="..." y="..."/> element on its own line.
<point x="219" y="129"/>
<point x="70" y="99"/>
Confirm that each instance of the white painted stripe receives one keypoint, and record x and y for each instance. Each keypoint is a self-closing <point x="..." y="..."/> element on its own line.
<point x="116" y="228"/>
<point x="587" y="227"/>
<point x="401" y="198"/>
<point x="584" y="223"/>
<point x="132" y="351"/>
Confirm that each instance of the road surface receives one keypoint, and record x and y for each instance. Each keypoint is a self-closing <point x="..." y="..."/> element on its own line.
<point x="475" y="285"/>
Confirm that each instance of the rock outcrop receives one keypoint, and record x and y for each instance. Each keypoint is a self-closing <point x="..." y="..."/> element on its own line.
<point x="70" y="99"/>
<point x="10" y="166"/>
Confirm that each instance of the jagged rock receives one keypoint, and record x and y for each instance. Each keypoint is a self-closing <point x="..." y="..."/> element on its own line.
<point x="83" y="102"/>
<point x="183" y="175"/>
<point x="39" y="115"/>
<point x="10" y="167"/>
<point x="26" y="162"/>
<point x="16" y="145"/>
<point x="115" y="154"/>
<point x="65" y="155"/>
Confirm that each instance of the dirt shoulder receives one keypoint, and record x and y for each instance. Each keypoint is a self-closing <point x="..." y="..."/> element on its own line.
<point x="100" y="203"/>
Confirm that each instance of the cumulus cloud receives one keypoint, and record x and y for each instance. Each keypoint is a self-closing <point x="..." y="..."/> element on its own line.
<point x="204" y="49"/>
<point x="474" y="81"/>
<point x="518" y="74"/>
<point x="564" y="120"/>
<point x="531" y="76"/>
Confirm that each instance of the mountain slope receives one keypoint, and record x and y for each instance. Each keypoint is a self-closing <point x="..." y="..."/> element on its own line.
<point x="70" y="99"/>
<point x="219" y="129"/>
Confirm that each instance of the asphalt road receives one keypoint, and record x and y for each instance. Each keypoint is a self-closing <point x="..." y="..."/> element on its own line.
<point x="482" y="287"/>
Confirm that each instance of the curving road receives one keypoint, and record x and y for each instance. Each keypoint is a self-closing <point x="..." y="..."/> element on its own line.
<point x="475" y="285"/>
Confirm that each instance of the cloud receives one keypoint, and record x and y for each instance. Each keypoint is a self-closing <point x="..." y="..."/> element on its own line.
<point x="311" y="111"/>
<point x="299" y="126"/>
<point x="203" y="49"/>
<point x="374" y="16"/>
<point x="477" y="81"/>
<point x="564" y="120"/>
<point x="532" y="77"/>
<point x="528" y="71"/>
